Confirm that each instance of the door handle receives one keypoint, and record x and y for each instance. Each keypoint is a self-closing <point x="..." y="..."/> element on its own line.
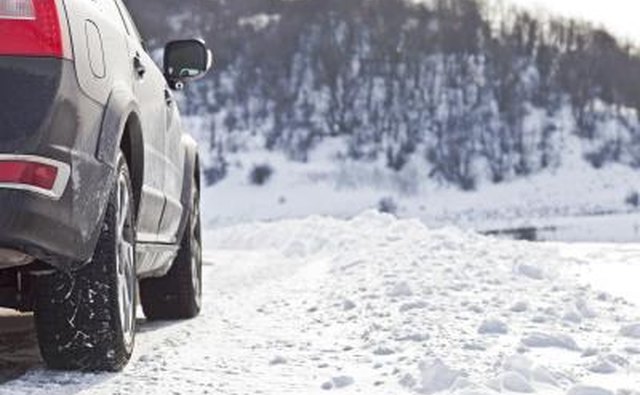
<point x="168" y="97"/>
<point x="139" y="66"/>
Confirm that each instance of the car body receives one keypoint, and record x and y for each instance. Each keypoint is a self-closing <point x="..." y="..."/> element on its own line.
<point x="80" y="97"/>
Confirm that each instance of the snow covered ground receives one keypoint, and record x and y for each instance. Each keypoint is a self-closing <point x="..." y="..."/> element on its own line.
<point x="576" y="201"/>
<point x="376" y="305"/>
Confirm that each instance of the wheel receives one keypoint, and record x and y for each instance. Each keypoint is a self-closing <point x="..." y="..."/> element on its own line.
<point x="178" y="295"/>
<point x="86" y="320"/>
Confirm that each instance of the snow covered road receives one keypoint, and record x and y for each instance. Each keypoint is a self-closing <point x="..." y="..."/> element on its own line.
<point x="373" y="305"/>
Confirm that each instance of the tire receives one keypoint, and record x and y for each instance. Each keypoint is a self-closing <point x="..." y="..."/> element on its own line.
<point x="178" y="294"/>
<point x="85" y="320"/>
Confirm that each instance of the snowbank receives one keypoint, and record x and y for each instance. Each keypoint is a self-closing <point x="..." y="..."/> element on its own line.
<point x="427" y="311"/>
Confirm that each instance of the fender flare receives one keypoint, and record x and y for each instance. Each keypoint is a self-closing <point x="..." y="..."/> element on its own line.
<point x="120" y="106"/>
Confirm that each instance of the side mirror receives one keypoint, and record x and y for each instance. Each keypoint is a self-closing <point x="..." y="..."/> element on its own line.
<point x="186" y="60"/>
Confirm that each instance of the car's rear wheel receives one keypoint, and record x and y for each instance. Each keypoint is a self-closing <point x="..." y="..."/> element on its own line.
<point x="85" y="320"/>
<point x="178" y="294"/>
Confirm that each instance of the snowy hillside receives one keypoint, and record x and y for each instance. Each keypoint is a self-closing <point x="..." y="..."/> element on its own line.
<point x="572" y="203"/>
<point x="376" y="306"/>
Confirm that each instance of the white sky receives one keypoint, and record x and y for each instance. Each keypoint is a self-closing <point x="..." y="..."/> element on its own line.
<point x="620" y="16"/>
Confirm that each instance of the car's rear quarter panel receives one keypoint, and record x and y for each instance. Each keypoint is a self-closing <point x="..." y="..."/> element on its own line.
<point x="99" y="47"/>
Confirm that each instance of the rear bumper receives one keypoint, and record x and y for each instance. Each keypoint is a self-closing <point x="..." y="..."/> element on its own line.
<point x="61" y="232"/>
<point x="51" y="119"/>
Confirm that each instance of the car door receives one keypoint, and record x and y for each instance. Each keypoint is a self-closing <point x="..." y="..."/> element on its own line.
<point x="149" y="87"/>
<point x="174" y="173"/>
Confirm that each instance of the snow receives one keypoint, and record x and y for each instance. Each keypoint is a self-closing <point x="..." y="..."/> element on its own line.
<point x="574" y="202"/>
<point x="379" y="305"/>
<point x="612" y="268"/>
<point x="632" y="331"/>
<point x="615" y="15"/>
<point x="259" y="22"/>
<point x="496" y="327"/>
<point x="515" y="382"/>
<point x="545" y="340"/>
<point x="582" y="390"/>
<point x="436" y="376"/>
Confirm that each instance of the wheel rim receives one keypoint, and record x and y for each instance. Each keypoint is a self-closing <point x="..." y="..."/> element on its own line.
<point x="126" y="274"/>
<point x="196" y="251"/>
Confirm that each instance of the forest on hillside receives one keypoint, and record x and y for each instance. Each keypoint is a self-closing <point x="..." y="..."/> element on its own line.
<point x="477" y="90"/>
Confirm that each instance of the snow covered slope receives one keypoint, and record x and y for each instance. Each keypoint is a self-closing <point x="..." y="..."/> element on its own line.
<point x="376" y="305"/>
<point x="583" y="203"/>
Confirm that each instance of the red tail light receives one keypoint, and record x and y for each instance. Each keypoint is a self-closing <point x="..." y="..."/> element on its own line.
<point x="30" y="28"/>
<point x="38" y="175"/>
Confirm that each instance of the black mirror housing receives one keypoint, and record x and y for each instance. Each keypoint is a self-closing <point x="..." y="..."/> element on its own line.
<point x="186" y="60"/>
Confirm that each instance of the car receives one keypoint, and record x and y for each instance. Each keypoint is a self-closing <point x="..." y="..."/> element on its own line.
<point x="99" y="183"/>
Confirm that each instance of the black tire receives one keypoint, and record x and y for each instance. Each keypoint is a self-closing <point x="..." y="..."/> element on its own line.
<point x="178" y="294"/>
<point x="78" y="316"/>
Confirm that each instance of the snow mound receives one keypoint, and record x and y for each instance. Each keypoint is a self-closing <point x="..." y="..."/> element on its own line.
<point x="544" y="340"/>
<point x="515" y="382"/>
<point x="603" y="366"/>
<point x="632" y="331"/>
<point x="278" y="360"/>
<point x="436" y="376"/>
<point x="520" y="307"/>
<point x="348" y="305"/>
<point x="493" y="326"/>
<point x="401" y="289"/>
<point x="342" y="381"/>
<point x="318" y="235"/>
<point x="527" y="370"/>
<point x="530" y="271"/>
